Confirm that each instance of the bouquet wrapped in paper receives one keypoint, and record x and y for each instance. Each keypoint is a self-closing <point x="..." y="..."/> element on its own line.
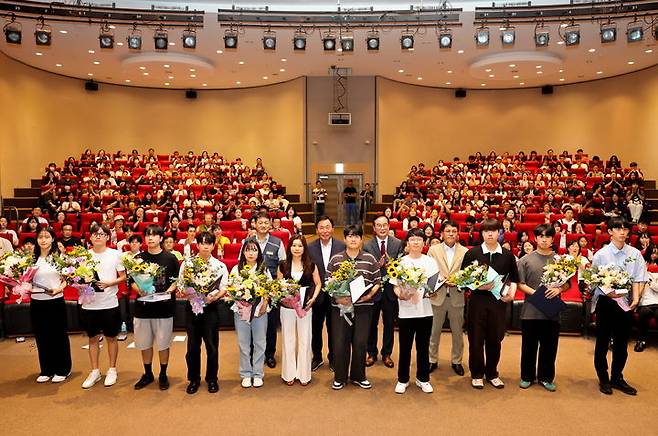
<point x="410" y="279"/>
<point x="17" y="270"/>
<point x="197" y="281"/>
<point x="287" y="293"/>
<point x="78" y="268"/>
<point x="245" y="289"/>
<point x="338" y="284"/>
<point x="142" y="272"/>
<point x="558" y="273"/>
<point x="610" y="279"/>
<point x="471" y="277"/>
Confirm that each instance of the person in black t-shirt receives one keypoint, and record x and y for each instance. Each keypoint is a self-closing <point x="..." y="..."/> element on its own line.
<point x="67" y="240"/>
<point x="349" y="195"/>
<point x="154" y="313"/>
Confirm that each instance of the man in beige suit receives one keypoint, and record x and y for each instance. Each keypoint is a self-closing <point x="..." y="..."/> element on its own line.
<point x="448" y="300"/>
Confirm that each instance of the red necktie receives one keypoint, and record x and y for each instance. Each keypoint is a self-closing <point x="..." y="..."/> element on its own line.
<point x="382" y="249"/>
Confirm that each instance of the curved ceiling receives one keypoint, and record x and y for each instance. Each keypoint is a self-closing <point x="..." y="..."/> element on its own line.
<point x="75" y="52"/>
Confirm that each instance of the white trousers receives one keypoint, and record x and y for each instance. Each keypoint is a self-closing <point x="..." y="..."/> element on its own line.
<point x="296" y="352"/>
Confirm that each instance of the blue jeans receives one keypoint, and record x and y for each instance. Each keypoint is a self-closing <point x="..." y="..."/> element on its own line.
<point x="251" y="365"/>
<point x="351" y="212"/>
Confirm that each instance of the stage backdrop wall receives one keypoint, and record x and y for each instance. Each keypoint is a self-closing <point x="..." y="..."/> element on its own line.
<point x="613" y="116"/>
<point x="45" y="117"/>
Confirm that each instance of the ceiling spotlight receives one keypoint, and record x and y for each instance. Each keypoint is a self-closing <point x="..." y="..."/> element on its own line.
<point x="135" y="38"/>
<point x="106" y="37"/>
<point x="347" y="42"/>
<point x="372" y="40"/>
<point x="508" y="36"/>
<point x="42" y="34"/>
<point x="407" y="41"/>
<point x="189" y="38"/>
<point x="542" y="36"/>
<point x="230" y="39"/>
<point x="572" y="34"/>
<point x="13" y="32"/>
<point x="299" y="40"/>
<point x="482" y="37"/>
<point x="608" y="32"/>
<point x="634" y="32"/>
<point x="269" y="40"/>
<point x="329" y="41"/>
<point x="445" y="39"/>
<point x="161" y="39"/>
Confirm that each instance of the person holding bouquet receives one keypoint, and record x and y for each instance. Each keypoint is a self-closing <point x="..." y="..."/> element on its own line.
<point x="203" y="326"/>
<point x="102" y="315"/>
<point x="539" y="332"/>
<point x="155" y="307"/>
<point x="253" y="330"/>
<point x="350" y="330"/>
<point x="487" y="313"/>
<point x="48" y="312"/>
<point x="612" y="321"/>
<point x="415" y="312"/>
<point x="296" y="325"/>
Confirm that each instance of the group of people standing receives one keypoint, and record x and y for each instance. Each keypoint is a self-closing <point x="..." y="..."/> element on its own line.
<point x="353" y="338"/>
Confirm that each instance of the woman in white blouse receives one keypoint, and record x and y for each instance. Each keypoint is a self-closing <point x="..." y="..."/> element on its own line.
<point x="48" y="313"/>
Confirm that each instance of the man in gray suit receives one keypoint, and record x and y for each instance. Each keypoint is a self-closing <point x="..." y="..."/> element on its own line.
<point x="383" y="246"/>
<point x="449" y="299"/>
<point x="320" y="251"/>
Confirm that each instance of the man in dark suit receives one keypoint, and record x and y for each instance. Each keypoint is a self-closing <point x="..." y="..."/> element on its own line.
<point x="320" y="251"/>
<point x="383" y="246"/>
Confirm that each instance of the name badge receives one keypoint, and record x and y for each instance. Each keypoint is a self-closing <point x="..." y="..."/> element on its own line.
<point x="269" y="253"/>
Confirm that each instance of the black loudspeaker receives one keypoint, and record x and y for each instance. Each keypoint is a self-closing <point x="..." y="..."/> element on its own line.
<point x="190" y="93"/>
<point x="547" y="90"/>
<point x="460" y="93"/>
<point x="90" y="85"/>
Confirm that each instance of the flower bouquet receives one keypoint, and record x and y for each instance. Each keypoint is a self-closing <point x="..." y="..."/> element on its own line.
<point x="338" y="284"/>
<point x="78" y="268"/>
<point x="244" y="289"/>
<point x="289" y="296"/>
<point x="558" y="273"/>
<point x="197" y="281"/>
<point x="17" y="270"/>
<point x="142" y="272"/>
<point x="471" y="277"/>
<point x="610" y="279"/>
<point x="410" y="279"/>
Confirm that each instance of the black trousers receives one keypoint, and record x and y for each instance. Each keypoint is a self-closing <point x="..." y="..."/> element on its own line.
<point x="273" y="321"/>
<point x="203" y="327"/>
<point x="646" y="313"/>
<point x="321" y="315"/>
<point x="421" y="328"/>
<point x="539" y="335"/>
<point x="611" y="322"/>
<point x="388" y="310"/>
<point x="486" y="330"/>
<point x="350" y="342"/>
<point x="49" y="323"/>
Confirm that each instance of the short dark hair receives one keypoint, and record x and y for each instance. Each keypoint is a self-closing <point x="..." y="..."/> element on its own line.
<point x="618" y="222"/>
<point x="67" y="225"/>
<point x="544" y="230"/>
<point x="413" y="218"/>
<point x="447" y="223"/>
<point x="490" y="224"/>
<point x="324" y="218"/>
<point x="470" y="219"/>
<point x="260" y="215"/>
<point x="135" y="238"/>
<point x="205" y="238"/>
<point x="154" y="229"/>
<point x="96" y="227"/>
<point x="415" y="232"/>
<point x="381" y="216"/>
<point x="353" y="229"/>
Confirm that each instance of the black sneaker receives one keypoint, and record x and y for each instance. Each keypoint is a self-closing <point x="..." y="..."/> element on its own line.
<point x="364" y="384"/>
<point x="270" y="362"/>
<point x="316" y="364"/>
<point x="336" y="386"/>
<point x="163" y="382"/>
<point x="146" y="380"/>
<point x="640" y="346"/>
<point x="621" y="385"/>
<point x="605" y="388"/>
<point x="193" y="387"/>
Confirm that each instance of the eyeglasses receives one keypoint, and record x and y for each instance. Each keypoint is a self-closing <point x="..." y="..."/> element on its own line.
<point x="99" y="234"/>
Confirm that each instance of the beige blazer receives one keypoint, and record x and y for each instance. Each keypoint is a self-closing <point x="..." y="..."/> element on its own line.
<point x="439" y="255"/>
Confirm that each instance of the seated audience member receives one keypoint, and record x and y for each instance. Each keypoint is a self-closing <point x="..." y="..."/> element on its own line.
<point x="68" y="240"/>
<point x="569" y="221"/>
<point x="4" y="230"/>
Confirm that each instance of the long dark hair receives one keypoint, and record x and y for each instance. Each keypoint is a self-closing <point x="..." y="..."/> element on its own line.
<point x="37" y="247"/>
<point x="243" y="260"/>
<point x="286" y="265"/>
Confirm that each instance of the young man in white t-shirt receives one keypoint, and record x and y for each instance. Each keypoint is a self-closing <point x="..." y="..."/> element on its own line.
<point x="102" y="314"/>
<point x="415" y="318"/>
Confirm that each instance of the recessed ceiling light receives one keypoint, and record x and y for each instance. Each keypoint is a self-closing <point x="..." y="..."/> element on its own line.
<point x="648" y="51"/>
<point x="166" y="83"/>
<point x="537" y="66"/>
<point x="64" y="32"/>
<point x="120" y="44"/>
<point x="111" y="26"/>
<point x="561" y="79"/>
<point x="483" y="84"/>
<point x="448" y="83"/>
<point x="90" y="74"/>
<point x="192" y="70"/>
<point x="38" y="53"/>
<point x="284" y="60"/>
<point x="512" y="65"/>
<point x="91" y="51"/>
<point x="488" y="70"/>
<point x="540" y="72"/>
<point x="241" y="62"/>
<point x="420" y="78"/>
<point x="127" y="80"/>
<point x="146" y="74"/>
<point x="561" y="71"/>
<point x="515" y="76"/>
<point x="460" y="51"/>
<point x="142" y="68"/>
<point x="521" y="83"/>
<point x="282" y="70"/>
<point x="265" y="77"/>
<point x="591" y="50"/>
<point x="491" y="75"/>
<point x="630" y="62"/>
<point x="449" y="71"/>
<point x="166" y="65"/>
<point x="96" y="63"/>
<point x="220" y="51"/>
<point x="400" y="71"/>
<point x="170" y="77"/>
<point x="192" y="75"/>
<point x="238" y="82"/>
<point x="599" y="72"/>
<point x="58" y="65"/>
<point x="204" y="84"/>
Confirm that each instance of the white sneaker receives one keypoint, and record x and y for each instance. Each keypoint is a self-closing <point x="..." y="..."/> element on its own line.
<point x="477" y="383"/>
<point x="60" y="378"/>
<point x="43" y="378"/>
<point x="93" y="378"/>
<point x="497" y="383"/>
<point x="110" y="377"/>
<point x="246" y="382"/>
<point x="425" y="386"/>
<point x="258" y="382"/>
<point x="401" y="388"/>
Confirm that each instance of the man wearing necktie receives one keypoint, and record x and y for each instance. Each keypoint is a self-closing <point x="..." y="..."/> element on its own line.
<point x="383" y="246"/>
